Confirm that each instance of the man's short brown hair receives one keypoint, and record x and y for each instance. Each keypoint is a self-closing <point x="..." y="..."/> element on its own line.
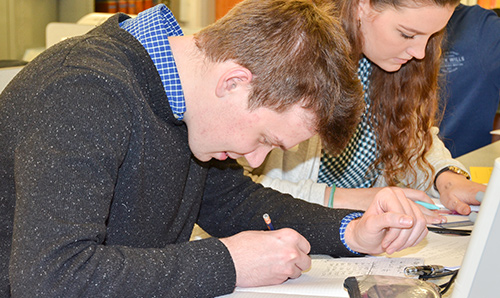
<point x="297" y="53"/>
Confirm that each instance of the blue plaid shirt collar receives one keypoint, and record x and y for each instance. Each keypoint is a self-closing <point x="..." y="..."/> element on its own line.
<point x="152" y="28"/>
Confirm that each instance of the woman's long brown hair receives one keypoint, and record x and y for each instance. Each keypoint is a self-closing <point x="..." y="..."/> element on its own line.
<point x="405" y="102"/>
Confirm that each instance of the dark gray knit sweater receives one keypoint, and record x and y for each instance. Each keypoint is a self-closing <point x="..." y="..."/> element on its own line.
<point x="99" y="191"/>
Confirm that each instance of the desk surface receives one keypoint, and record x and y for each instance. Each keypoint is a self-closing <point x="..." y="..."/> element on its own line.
<point x="482" y="157"/>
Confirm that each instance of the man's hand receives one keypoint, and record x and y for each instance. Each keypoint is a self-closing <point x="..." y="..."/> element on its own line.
<point x="362" y="198"/>
<point x="268" y="257"/>
<point x="431" y="215"/>
<point x="457" y="193"/>
<point x="390" y="224"/>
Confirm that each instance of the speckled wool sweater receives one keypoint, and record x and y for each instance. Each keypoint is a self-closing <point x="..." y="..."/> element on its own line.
<point x="99" y="190"/>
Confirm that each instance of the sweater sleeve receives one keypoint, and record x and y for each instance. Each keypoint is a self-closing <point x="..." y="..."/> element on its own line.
<point x="439" y="157"/>
<point x="238" y="204"/>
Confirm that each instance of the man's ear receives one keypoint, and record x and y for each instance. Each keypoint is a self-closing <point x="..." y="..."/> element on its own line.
<point x="231" y="79"/>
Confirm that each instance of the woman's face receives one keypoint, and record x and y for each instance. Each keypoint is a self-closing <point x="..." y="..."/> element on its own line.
<point x="392" y="37"/>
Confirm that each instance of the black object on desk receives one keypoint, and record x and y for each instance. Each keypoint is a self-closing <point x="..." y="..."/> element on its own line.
<point x="450" y="231"/>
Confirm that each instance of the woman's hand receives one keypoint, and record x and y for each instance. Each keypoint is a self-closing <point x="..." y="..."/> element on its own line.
<point x="457" y="193"/>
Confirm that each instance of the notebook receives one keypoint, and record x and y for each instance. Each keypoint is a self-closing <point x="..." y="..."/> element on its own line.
<point x="479" y="274"/>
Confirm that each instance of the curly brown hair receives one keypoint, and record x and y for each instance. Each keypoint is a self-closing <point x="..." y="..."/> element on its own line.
<point x="405" y="102"/>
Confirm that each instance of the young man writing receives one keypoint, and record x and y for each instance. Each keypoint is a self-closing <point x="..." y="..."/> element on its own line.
<point x="114" y="144"/>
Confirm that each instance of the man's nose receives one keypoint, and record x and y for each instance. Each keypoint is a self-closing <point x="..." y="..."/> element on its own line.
<point x="257" y="157"/>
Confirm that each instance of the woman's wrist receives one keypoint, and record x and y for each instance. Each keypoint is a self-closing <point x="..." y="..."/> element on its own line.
<point x="445" y="180"/>
<point x="439" y="181"/>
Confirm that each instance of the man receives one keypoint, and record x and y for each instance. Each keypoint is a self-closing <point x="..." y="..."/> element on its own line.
<point x="111" y="151"/>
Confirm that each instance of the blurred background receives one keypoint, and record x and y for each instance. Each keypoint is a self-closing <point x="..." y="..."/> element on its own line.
<point x="24" y="23"/>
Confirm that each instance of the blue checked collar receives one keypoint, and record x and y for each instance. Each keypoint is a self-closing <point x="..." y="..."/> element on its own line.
<point x="152" y="28"/>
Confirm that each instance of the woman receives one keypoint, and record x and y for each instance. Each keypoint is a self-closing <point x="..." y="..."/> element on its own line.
<point x="397" y="43"/>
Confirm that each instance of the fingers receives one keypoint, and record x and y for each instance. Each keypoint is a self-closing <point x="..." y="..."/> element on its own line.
<point x="404" y="222"/>
<point x="460" y="193"/>
<point x="303" y="244"/>
<point x="294" y="256"/>
<point x="407" y="237"/>
<point x="417" y="195"/>
<point x="301" y="265"/>
<point x="385" y="199"/>
<point x="392" y="232"/>
<point x="452" y="202"/>
<point x="419" y="229"/>
<point x="298" y="256"/>
<point x="399" y="230"/>
<point x="432" y="217"/>
<point x="461" y="207"/>
<point x="267" y="257"/>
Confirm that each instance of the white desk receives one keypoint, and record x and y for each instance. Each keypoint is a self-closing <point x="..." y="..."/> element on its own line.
<point x="482" y="157"/>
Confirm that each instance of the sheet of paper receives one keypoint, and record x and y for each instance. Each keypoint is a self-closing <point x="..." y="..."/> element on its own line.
<point x="437" y="249"/>
<point x="480" y="174"/>
<point x="267" y="295"/>
<point x="326" y="276"/>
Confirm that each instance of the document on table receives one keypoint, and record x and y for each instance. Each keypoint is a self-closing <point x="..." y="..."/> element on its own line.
<point x="437" y="249"/>
<point x="481" y="174"/>
<point x="326" y="277"/>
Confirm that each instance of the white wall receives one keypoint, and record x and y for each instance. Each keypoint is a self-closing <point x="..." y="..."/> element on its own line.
<point x="6" y="74"/>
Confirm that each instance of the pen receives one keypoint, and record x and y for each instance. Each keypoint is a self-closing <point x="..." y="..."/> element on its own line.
<point x="428" y="205"/>
<point x="424" y="270"/>
<point x="449" y="231"/>
<point x="267" y="219"/>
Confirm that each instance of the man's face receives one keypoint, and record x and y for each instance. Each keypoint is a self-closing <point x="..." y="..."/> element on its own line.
<point x="237" y="132"/>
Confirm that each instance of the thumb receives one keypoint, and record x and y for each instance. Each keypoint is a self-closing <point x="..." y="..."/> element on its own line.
<point x="396" y="220"/>
<point x="382" y="223"/>
<point x="462" y="208"/>
<point x="405" y="221"/>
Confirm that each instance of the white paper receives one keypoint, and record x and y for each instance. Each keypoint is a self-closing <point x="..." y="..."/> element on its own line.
<point x="438" y="249"/>
<point x="326" y="276"/>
